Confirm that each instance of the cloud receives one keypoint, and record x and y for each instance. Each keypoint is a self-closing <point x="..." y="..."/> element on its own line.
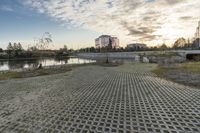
<point x="6" y="8"/>
<point x="130" y="20"/>
<point x="173" y="2"/>
<point x="186" y="18"/>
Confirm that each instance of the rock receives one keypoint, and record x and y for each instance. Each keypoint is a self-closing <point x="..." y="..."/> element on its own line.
<point x="178" y="59"/>
<point x="153" y="59"/>
<point x="145" y="60"/>
<point x="137" y="58"/>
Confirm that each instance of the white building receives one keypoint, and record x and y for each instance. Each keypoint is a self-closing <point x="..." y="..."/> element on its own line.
<point x="107" y="41"/>
<point x="115" y="42"/>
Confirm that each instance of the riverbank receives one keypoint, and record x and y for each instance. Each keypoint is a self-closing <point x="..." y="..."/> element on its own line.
<point x="34" y="72"/>
<point x="184" y="73"/>
<point x="50" y="70"/>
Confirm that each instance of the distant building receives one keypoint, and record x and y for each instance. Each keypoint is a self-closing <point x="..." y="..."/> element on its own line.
<point x="137" y="46"/>
<point x="107" y="41"/>
<point x="115" y="42"/>
<point x="197" y="36"/>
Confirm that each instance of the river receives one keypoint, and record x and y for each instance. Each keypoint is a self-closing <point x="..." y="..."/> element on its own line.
<point x="6" y="65"/>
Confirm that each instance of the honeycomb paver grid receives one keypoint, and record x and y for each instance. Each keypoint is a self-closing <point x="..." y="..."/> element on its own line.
<point x="118" y="102"/>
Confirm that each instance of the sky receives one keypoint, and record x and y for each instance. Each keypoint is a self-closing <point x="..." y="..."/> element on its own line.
<point x="76" y="23"/>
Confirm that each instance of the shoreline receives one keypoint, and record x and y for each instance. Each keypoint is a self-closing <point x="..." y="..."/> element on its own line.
<point x="36" y="58"/>
<point x="47" y="70"/>
<point x="170" y="74"/>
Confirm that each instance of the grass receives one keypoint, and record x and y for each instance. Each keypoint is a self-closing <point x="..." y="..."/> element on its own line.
<point x="160" y="71"/>
<point x="9" y="75"/>
<point x="175" y="74"/>
<point x="41" y="72"/>
<point x="191" y="66"/>
<point x="38" y="72"/>
<point x="32" y="73"/>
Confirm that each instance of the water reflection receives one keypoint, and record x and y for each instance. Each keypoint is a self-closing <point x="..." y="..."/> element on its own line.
<point x="33" y="63"/>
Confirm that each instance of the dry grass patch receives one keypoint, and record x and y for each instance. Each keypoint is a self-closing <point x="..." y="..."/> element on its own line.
<point x="160" y="71"/>
<point x="9" y="75"/>
<point x="191" y="66"/>
<point x="34" y="73"/>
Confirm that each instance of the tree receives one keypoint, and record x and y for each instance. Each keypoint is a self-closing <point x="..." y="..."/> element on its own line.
<point x="9" y="49"/>
<point x="163" y="46"/>
<point x="33" y="48"/>
<point x="64" y="49"/>
<point x="15" y="46"/>
<point x="188" y="44"/>
<point x="1" y="50"/>
<point x="19" y="47"/>
<point x="14" y="50"/>
<point x="45" y="41"/>
<point x="62" y="52"/>
<point x="92" y="49"/>
<point x="180" y="43"/>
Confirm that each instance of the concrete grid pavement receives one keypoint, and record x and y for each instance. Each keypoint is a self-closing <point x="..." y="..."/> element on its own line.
<point x="100" y="100"/>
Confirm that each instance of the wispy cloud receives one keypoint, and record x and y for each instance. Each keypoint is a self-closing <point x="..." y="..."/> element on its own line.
<point x="131" y="20"/>
<point x="6" y="8"/>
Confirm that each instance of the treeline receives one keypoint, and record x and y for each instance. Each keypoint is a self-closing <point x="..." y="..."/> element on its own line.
<point x="16" y="51"/>
<point x="106" y="49"/>
<point x="180" y="43"/>
<point x="98" y="50"/>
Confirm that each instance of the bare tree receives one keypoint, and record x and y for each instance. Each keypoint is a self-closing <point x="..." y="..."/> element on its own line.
<point x="44" y="41"/>
<point x="163" y="47"/>
<point x="180" y="43"/>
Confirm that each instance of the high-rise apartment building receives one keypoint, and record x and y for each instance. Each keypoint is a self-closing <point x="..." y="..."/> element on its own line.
<point x="107" y="41"/>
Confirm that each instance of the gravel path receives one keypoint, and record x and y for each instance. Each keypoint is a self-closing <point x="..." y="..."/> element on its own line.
<point x="124" y="99"/>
